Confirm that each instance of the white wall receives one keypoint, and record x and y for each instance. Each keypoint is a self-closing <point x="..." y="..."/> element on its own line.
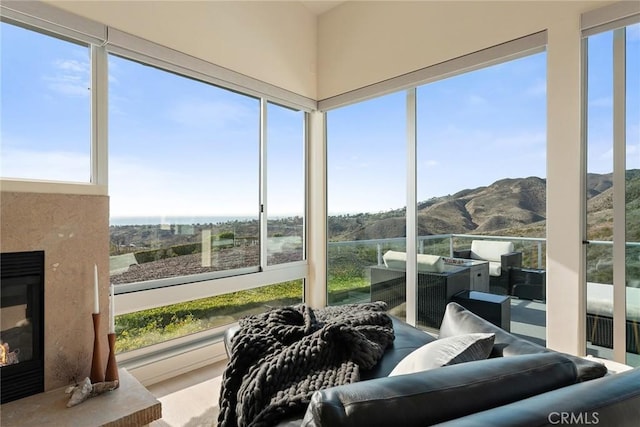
<point x="364" y="42"/>
<point x="271" y="41"/>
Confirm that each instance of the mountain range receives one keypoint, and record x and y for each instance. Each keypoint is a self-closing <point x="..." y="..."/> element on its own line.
<point x="511" y="206"/>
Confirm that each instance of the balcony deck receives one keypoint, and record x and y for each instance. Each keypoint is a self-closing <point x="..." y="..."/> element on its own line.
<point x="528" y="321"/>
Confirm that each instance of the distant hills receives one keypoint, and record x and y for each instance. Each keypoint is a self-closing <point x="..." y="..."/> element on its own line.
<point x="512" y="206"/>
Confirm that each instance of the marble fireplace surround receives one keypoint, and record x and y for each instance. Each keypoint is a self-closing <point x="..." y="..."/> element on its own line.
<point x="73" y="230"/>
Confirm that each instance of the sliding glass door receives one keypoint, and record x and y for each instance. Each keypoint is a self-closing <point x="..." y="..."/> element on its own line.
<point x="613" y="194"/>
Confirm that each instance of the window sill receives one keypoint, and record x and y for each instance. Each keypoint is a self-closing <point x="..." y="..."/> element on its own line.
<point x="52" y="187"/>
<point x="163" y="361"/>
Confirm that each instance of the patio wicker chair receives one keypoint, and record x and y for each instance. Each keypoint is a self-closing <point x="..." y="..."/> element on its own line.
<point x="501" y="257"/>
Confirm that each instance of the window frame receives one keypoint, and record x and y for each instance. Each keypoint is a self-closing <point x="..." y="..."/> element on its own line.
<point x="614" y="18"/>
<point x="139" y="296"/>
<point x="408" y="84"/>
<point x="97" y="184"/>
<point x="104" y="40"/>
<point x="165" y="291"/>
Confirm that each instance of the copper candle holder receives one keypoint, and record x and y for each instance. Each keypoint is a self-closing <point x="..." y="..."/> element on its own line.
<point x="97" y="373"/>
<point x="112" y="367"/>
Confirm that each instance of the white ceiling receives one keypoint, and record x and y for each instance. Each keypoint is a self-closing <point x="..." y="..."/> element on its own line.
<point x="319" y="7"/>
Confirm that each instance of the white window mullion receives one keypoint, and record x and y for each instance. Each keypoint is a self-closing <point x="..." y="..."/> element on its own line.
<point x="584" y="121"/>
<point x="263" y="183"/>
<point x="315" y="290"/>
<point x="412" y="229"/>
<point x="99" y="116"/>
<point x="619" y="186"/>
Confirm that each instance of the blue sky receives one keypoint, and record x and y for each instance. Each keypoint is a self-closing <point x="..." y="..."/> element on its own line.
<point x="180" y="147"/>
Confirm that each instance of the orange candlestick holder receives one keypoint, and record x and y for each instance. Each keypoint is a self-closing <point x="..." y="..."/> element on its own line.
<point x="97" y="373"/>
<point x="112" y="367"/>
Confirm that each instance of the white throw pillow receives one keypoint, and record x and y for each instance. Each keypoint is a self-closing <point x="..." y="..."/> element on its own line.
<point x="446" y="351"/>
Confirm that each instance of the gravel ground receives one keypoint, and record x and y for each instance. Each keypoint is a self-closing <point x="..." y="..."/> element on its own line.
<point x="226" y="259"/>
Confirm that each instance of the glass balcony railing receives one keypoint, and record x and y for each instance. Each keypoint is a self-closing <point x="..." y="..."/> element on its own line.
<point x="349" y="280"/>
<point x="349" y="260"/>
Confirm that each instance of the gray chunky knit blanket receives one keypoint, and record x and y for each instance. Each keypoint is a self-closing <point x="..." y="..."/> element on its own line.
<point x="281" y="357"/>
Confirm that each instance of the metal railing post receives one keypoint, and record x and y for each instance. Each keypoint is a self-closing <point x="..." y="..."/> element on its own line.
<point x="421" y="246"/>
<point x="379" y="247"/>
<point x="451" y="245"/>
<point x="539" y="255"/>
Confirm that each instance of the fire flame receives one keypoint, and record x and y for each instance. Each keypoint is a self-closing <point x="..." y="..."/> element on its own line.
<point x="3" y="355"/>
<point x="8" y="357"/>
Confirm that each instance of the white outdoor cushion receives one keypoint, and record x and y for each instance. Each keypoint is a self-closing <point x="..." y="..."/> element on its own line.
<point x="426" y="262"/>
<point x="432" y="263"/>
<point x="495" y="268"/>
<point x="490" y="250"/>
<point x="600" y="301"/>
<point x="394" y="259"/>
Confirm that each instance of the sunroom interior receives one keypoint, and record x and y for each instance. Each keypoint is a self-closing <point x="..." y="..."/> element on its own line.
<point x="306" y="61"/>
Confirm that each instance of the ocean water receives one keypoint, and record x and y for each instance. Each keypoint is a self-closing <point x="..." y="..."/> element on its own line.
<point x="156" y="220"/>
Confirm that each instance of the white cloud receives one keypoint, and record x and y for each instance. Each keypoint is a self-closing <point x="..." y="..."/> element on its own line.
<point x="49" y="165"/>
<point x="210" y="113"/>
<point x="633" y="32"/>
<point x="523" y="139"/>
<point x="70" y="77"/>
<point x="477" y="101"/>
<point x="538" y="89"/>
<point x="633" y="156"/>
<point x="604" y="102"/>
<point x="139" y="188"/>
<point x="72" y="66"/>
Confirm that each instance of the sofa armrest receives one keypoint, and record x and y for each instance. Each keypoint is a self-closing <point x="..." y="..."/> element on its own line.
<point x="438" y="395"/>
<point x="465" y="253"/>
<point x="512" y="259"/>
<point x="610" y="401"/>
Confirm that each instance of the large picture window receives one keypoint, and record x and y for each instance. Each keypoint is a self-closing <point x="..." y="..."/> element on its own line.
<point x="612" y="191"/>
<point x="366" y="198"/>
<point x="285" y="184"/>
<point x="45" y="108"/>
<point x="472" y="150"/>
<point x="481" y="179"/>
<point x="190" y="180"/>
<point x="183" y="173"/>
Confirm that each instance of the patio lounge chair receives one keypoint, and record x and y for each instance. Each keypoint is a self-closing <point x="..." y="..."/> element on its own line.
<point x="501" y="258"/>
<point x="600" y="316"/>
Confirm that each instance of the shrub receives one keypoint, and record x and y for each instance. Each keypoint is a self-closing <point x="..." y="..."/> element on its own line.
<point x="187" y="249"/>
<point x="226" y="235"/>
<point x="150" y="255"/>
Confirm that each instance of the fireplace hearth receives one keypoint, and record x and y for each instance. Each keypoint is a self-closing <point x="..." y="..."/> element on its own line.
<point x="21" y="324"/>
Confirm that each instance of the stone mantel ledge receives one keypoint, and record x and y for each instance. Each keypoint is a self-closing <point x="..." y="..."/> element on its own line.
<point x="130" y="405"/>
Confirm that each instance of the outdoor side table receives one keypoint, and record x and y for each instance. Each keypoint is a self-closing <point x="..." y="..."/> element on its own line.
<point x="528" y="283"/>
<point x="491" y="307"/>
